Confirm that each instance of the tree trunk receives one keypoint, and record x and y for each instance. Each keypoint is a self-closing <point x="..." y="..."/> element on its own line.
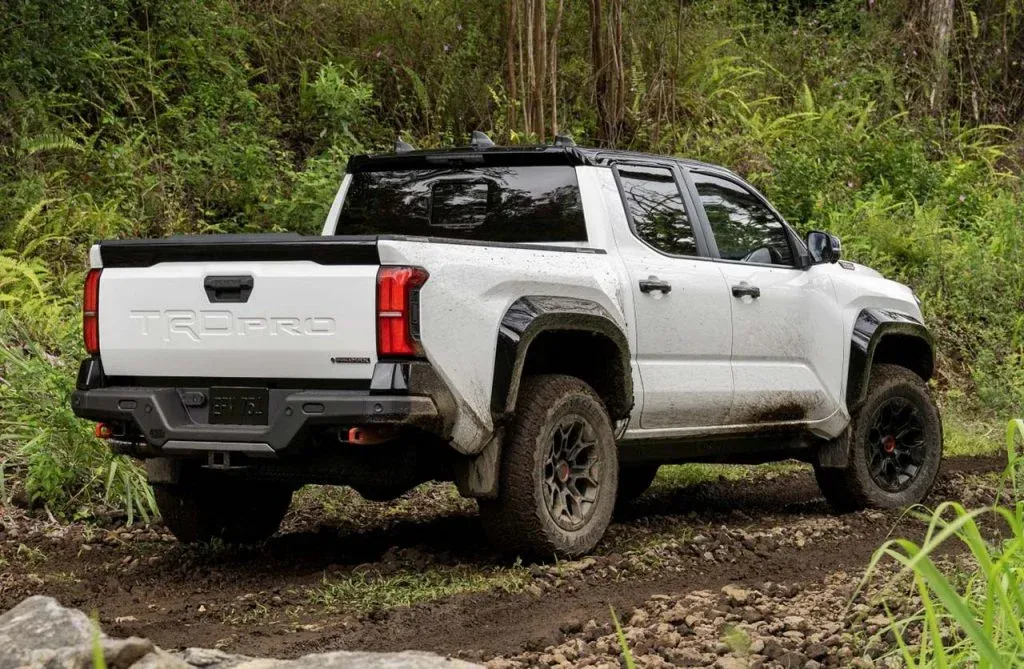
<point x="531" y="68"/>
<point x="609" y="69"/>
<point x="619" y="65"/>
<point x="510" y="52"/>
<point x="598" y="66"/>
<point x="553" y="47"/>
<point x="540" y="65"/>
<point x="938" y="18"/>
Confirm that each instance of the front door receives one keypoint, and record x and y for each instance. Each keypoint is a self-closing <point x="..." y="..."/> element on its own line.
<point x="787" y="333"/>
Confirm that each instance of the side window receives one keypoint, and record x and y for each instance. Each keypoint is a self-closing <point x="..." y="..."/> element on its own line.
<point x="744" y="228"/>
<point x="657" y="209"/>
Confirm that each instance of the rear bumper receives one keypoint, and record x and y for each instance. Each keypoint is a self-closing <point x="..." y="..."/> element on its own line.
<point x="173" y="427"/>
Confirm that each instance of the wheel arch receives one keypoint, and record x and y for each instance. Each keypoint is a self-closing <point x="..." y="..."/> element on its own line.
<point x="891" y="337"/>
<point x="561" y="335"/>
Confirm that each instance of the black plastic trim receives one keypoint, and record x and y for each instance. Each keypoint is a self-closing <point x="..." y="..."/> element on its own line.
<point x="753" y="448"/>
<point x="90" y="374"/>
<point x="472" y="155"/>
<point x="325" y="250"/>
<point x="528" y="317"/>
<point x="522" y="246"/>
<point x="160" y="416"/>
<point x="415" y="377"/>
<point x="208" y="381"/>
<point x="234" y="288"/>
<point x="870" y="327"/>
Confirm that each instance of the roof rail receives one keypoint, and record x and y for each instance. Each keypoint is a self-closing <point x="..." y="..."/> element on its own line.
<point x="403" y="147"/>
<point x="562" y="139"/>
<point x="479" y="140"/>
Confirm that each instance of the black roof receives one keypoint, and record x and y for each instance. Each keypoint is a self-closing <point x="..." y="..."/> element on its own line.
<point x="506" y="156"/>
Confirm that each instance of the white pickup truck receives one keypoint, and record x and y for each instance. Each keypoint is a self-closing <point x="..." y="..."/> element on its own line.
<point x="544" y="326"/>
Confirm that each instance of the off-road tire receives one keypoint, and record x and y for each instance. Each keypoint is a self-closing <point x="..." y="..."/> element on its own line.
<point x="852" y="487"/>
<point x="519" y="521"/>
<point x="634" y="480"/>
<point x="235" y="511"/>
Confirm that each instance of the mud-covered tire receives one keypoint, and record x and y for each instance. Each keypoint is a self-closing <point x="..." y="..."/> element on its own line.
<point x="634" y="480"/>
<point x="527" y="518"/>
<point x="892" y="390"/>
<point x="234" y="511"/>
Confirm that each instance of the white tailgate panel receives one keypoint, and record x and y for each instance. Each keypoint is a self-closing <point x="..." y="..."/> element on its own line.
<point x="302" y="320"/>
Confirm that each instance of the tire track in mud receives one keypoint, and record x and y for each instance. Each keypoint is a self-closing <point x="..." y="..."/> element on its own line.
<point x="670" y="542"/>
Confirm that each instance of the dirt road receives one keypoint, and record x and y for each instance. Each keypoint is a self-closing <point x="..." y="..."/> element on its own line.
<point x="340" y="574"/>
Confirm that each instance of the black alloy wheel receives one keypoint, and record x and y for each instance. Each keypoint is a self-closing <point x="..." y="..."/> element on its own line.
<point x="896" y="444"/>
<point x="572" y="473"/>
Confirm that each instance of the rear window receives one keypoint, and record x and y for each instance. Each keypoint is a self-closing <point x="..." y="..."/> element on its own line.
<point x="492" y="204"/>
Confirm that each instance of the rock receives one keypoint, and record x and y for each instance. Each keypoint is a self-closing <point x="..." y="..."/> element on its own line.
<point x="686" y="657"/>
<point x="737" y="596"/>
<point x="816" y="651"/>
<point x="730" y="662"/>
<point x="33" y="631"/>
<point x="797" y="623"/>
<point x="39" y="633"/>
<point x="639" y="618"/>
<point x="358" y="660"/>
<point x="205" y="657"/>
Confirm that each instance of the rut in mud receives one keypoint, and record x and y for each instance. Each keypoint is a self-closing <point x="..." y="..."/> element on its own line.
<point x="337" y="576"/>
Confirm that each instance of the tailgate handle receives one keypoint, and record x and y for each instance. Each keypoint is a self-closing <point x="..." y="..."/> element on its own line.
<point x="228" y="288"/>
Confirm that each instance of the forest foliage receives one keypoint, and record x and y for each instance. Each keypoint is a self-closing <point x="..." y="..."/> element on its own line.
<point x="155" y="117"/>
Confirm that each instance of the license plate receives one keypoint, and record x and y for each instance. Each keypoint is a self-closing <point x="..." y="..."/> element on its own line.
<point x="239" y="406"/>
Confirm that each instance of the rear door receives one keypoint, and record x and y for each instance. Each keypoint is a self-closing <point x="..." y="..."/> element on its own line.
<point x="683" y="322"/>
<point x="786" y="328"/>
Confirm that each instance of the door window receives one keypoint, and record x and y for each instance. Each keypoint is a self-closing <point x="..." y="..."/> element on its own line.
<point x="657" y="210"/>
<point x="744" y="227"/>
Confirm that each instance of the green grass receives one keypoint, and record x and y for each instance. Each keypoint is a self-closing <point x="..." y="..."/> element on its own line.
<point x="368" y="592"/>
<point x="680" y="476"/>
<point x="966" y="437"/>
<point x="974" y="617"/>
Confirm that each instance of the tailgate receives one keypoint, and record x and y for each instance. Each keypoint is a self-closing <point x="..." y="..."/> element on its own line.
<point x="232" y="307"/>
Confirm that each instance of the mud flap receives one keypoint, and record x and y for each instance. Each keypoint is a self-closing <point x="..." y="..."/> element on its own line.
<point x="163" y="470"/>
<point x="835" y="453"/>
<point x="477" y="475"/>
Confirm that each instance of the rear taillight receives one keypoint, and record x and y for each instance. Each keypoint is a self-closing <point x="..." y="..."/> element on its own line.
<point x="398" y="311"/>
<point x="91" y="312"/>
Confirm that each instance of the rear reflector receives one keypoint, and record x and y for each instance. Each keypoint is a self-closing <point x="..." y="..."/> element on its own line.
<point x="91" y="312"/>
<point x="398" y="311"/>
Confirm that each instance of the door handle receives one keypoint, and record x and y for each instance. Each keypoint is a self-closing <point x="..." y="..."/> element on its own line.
<point x="745" y="288"/>
<point x="228" y="288"/>
<point x="653" y="283"/>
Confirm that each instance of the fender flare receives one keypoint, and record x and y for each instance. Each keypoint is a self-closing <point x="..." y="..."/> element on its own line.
<point x="527" y="318"/>
<point x="871" y="327"/>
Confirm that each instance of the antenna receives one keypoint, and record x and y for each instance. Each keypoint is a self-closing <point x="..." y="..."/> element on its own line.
<point x="564" y="140"/>
<point x="479" y="140"/>
<point x="403" y="147"/>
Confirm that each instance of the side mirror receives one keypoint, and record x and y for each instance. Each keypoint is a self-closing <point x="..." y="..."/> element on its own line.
<point x="824" y="247"/>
